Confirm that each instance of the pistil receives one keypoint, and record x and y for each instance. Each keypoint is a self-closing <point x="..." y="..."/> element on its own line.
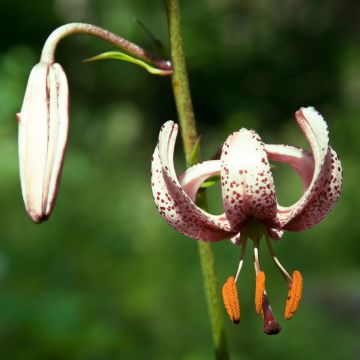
<point x="271" y="326"/>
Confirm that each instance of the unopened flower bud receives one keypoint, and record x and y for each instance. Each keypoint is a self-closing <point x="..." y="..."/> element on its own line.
<point x="43" y="130"/>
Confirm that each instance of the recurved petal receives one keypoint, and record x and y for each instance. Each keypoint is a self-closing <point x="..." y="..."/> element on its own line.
<point x="327" y="193"/>
<point x="33" y="137"/>
<point x="58" y="134"/>
<point x="193" y="177"/>
<point x="300" y="160"/>
<point x="172" y="201"/>
<point x="315" y="129"/>
<point x="246" y="179"/>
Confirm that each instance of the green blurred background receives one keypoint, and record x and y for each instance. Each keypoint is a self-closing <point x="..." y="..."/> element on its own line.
<point x="105" y="277"/>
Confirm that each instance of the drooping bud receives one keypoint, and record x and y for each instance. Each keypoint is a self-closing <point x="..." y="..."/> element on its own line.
<point x="231" y="300"/>
<point x="43" y="131"/>
<point x="294" y="296"/>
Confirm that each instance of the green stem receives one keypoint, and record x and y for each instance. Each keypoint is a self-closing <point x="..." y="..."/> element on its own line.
<point x="207" y="262"/>
<point x="189" y="134"/>
<point x="180" y="81"/>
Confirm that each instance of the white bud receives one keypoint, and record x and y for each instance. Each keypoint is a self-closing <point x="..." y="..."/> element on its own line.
<point x="43" y="131"/>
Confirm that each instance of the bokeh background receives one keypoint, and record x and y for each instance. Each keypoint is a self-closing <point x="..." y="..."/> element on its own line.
<point x="105" y="277"/>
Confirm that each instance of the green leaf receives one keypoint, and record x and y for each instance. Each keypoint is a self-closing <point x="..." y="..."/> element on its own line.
<point x="211" y="181"/>
<point x="118" y="55"/>
<point x="194" y="156"/>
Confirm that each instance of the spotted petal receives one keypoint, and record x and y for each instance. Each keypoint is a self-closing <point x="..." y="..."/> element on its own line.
<point x="315" y="129"/>
<point x="246" y="179"/>
<point x="173" y="203"/>
<point x="300" y="160"/>
<point x="326" y="195"/>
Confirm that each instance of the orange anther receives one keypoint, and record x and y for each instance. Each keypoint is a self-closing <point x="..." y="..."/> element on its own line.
<point x="259" y="292"/>
<point x="231" y="300"/>
<point x="294" y="296"/>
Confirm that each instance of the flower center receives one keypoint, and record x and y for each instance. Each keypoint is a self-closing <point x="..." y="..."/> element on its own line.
<point x="255" y="231"/>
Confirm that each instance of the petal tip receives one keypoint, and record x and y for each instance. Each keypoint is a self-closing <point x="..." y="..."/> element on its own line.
<point x="310" y="110"/>
<point x="169" y="123"/>
<point x="36" y="217"/>
<point x="310" y="114"/>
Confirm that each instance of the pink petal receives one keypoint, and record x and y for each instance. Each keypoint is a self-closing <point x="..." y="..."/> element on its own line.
<point x="247" y="183"/>
<point x="172" y="201"/>
<point x="193" y="177"/>
<point x="315" y="130"/>
<point x="326" y="193"/>
<point x="300" y="160"/>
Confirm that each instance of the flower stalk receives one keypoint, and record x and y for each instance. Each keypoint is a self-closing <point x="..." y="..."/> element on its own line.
<point x="48" y="52"/>
<point x="190" y="137"/>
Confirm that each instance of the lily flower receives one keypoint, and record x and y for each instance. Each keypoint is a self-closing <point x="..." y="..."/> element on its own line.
<point x="43" y="131"/>
<point x="251" y="209"/>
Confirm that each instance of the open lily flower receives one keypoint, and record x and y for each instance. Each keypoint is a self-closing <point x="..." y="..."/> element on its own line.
<point x="43" y="131"/>
<point x="251" y="209"/>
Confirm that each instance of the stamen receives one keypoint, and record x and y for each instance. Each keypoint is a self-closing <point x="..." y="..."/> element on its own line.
<point x="242" y="255"/>
<point x="294" y="296"/>
<point x="256" y="256"/>
<point x="259" y="292"/>
<point x="231" y="300"/>
<point x="283" y="272"/>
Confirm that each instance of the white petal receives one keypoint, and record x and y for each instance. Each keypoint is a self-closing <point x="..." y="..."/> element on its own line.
<point x="247" y="183"/>
<point x="325" y="195"/>
<point x="178" y="209"/>
<point x="315" y="130"/>
<point x="33" y="138"/>
<point x="58" y="134"/>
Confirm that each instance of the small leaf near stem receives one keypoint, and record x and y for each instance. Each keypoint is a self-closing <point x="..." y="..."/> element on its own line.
<point x="195" y="153"/>
<point x="118" y="55"/>
<point x="211" y="181"/>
